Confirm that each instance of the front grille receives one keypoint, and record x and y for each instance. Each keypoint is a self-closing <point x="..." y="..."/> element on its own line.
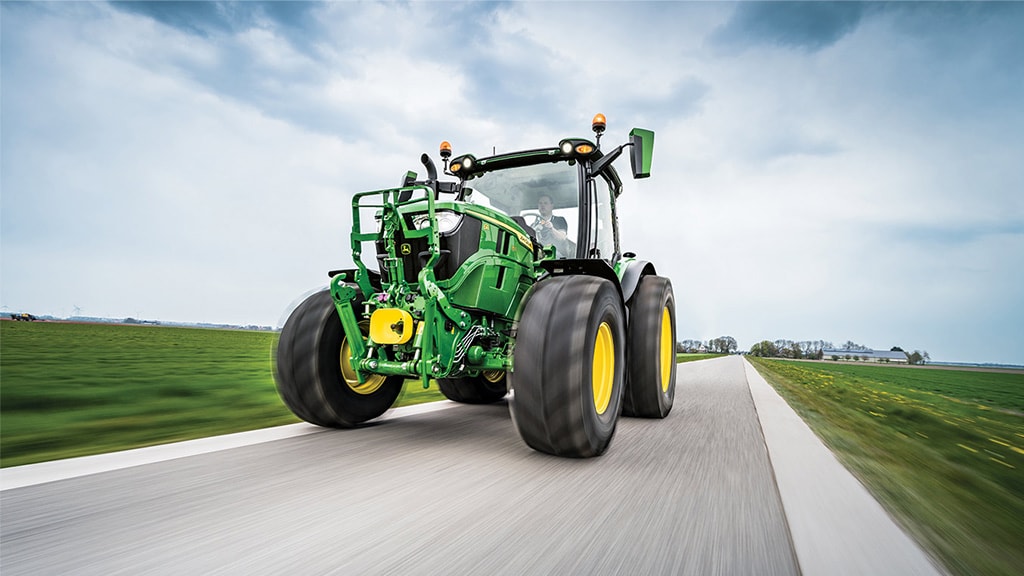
<point x="455" y="247"/>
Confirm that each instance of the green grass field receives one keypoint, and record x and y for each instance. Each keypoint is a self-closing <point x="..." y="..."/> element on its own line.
<point x="78" y="389"/>
<point x="695" y="357"/>
<point x="943" y="450"/>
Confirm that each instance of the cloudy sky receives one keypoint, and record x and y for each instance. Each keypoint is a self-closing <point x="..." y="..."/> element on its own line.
<point x="821" y="171"/>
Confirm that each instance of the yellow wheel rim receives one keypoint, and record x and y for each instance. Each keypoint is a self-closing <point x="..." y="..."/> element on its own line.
<point x="493" y="376"/>
<point x="667" y="346"/>
<point x="373" y="382"/>
<point x="603" y="375"/>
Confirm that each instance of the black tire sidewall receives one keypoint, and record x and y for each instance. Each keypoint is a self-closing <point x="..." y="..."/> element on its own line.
<point x="295" y="363"/>
<point x="552" y="378"/>
<point x="309" y="371"/>
<point x="348" y="406"/>
<point x="607" y="308"/>
<point x="644" y="394"/>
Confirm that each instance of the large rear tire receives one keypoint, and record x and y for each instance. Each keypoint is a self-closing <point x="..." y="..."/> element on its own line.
<point x="487" y="388"/>
<point x="314" y="377"/>
<point x="651" y="379"/>
<point x="569" y="366"/>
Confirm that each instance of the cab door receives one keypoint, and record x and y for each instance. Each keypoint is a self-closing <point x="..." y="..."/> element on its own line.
<point x="603" y="233"/>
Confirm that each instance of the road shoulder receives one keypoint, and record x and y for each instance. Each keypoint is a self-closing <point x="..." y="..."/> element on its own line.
<point x="55" y="470"/>
<point x="837" y="526"/>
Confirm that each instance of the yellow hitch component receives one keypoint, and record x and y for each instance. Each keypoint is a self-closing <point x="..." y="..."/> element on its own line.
<point x="390" y="326"/>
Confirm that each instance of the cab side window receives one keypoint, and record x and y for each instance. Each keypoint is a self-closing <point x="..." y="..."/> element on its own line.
<point x="603" y="233"/>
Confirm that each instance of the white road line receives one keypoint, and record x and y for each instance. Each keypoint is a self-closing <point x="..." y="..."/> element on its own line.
<point x="32" y="474"/>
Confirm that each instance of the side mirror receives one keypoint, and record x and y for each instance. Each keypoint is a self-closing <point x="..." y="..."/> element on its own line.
<point x="642" y="143"/>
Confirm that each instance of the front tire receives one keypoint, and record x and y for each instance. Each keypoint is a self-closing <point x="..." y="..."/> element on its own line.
<point x="314" y="376"/>
<point x="569" y="366"/>
<point x="651" y="381"/>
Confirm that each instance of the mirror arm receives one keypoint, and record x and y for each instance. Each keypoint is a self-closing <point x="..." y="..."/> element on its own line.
<point x="607" y="159"/>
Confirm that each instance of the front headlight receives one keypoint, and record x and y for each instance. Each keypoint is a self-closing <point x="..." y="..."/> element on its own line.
<point x="446" y="221"/>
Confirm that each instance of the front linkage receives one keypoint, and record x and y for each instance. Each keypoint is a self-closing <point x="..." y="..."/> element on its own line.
<point x="414" y="329"/>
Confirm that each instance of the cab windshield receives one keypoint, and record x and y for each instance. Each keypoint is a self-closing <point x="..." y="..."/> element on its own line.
<point x="545" y="196"/>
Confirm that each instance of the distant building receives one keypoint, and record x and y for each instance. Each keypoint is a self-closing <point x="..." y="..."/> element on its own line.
<point x="866" y="355"/>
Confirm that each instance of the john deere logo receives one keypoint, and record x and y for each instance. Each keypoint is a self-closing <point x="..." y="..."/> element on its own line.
<point x="406" y="249"/>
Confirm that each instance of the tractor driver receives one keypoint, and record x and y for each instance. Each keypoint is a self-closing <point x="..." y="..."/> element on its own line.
<point x="552" y="229"/>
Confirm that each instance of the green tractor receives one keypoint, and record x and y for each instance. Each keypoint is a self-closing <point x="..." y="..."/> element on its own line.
<point x="506" y="281"/>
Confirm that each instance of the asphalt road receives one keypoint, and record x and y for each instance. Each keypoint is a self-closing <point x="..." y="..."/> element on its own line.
<point x="452" y="491"/>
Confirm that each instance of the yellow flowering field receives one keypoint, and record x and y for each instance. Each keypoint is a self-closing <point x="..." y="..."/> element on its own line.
<point x="943" y="450"/>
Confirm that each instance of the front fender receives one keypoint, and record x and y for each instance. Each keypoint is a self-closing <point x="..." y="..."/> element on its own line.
<point x="570" y="266"/>
<point x="631" y="272"/>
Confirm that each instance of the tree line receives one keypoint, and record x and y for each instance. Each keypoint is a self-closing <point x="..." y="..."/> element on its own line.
<point x="802" y="350"/>
<point x="805" y="349"/>
<point x="720" y="345"/>
<point x="815" y="350"/>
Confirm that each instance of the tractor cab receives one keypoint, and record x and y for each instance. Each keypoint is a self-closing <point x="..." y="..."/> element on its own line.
<point x="563" y="197"/>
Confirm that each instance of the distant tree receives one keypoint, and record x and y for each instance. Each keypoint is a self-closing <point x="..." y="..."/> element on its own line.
<point x="781" y="348"/>
<point x="690" y="346"/>
<point x="810" y="349"/>
<point x="784" y="348"/>
<point x="726" y="344"/>
<point x="722" y="345"/>
<point x="896" y="349"/>
<point x="917" y="357"/>
<point x="764" y="349"/>
<point x="714" y="345"/>
<point x="853" y="346"/>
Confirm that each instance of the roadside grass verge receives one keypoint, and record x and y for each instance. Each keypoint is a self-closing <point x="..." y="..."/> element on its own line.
<point x="695" y="357"/>
<point x="943" y="450"/>
<point x="78" y="389"/>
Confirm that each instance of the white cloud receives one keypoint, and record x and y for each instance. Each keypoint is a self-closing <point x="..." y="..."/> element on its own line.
<point x="856" y="184"/>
